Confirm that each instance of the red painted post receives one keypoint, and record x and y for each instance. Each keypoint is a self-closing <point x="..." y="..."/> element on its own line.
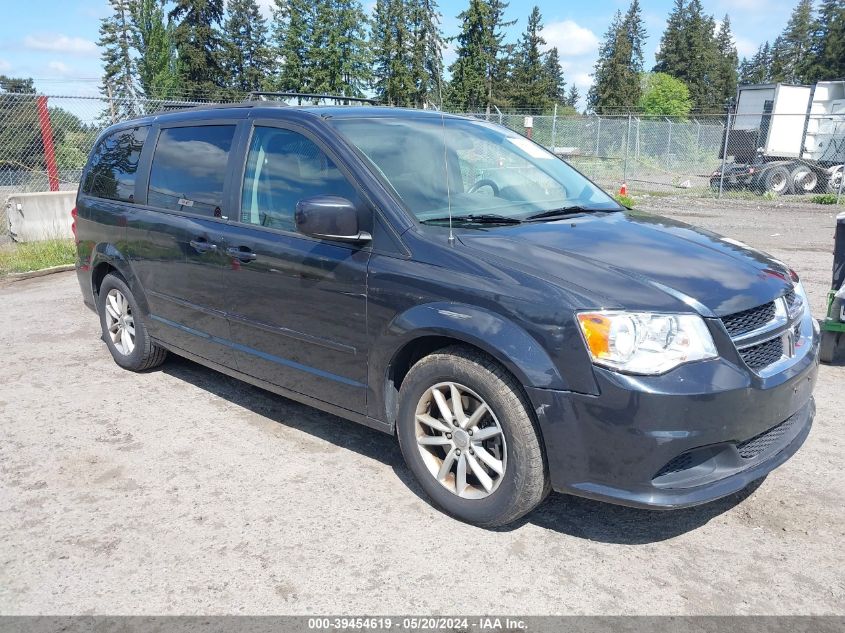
<point x="49" y="148"/>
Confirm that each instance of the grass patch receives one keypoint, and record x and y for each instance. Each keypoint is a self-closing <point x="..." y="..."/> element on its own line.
<point x="625" y="201"/>
<point x="21" y="258"/>
<point x="825" y="198"/>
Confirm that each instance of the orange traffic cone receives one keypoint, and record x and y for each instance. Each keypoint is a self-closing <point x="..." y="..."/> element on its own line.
<point x="623" y="190"/>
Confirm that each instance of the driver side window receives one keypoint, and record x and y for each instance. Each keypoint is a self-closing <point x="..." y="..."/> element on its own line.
<point x="284" y="167"/>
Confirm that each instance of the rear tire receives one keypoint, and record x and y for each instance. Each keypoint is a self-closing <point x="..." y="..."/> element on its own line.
<point x="828" y="345"/>
<point x="489" y="481"/>
<point x="803" y="179"/>
<point x="835" y="179"/>
<point x="775" y="180"/>
<point x="124" y="328"/>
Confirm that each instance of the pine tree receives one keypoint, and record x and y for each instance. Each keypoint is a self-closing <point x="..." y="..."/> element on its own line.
<point x="246" y="58"/>
<point x="292" y="28"/>
<point x="798" y="43"/>
<point x="672" y="52"/>
<point x="727" y="59"/>
<point x="530" y="79"/>
<point x="616" y="82"/>
<point x="499" y="55"/>
<point x="426" y="52"/>
<point x="391" y="48"/>
<point x="555" y="81"/>
<point x="119" y="67"/>
<point x="689" y="51"/>
<point x="152" y="38"/>
<point x="338" y="52"/>
<point x="198" y="45"/>
<point x="573" y="97"/>
<point x="778" y="61"/>
<point x="827" y="54"/>
<point x="471" y="70"/>
<point x="757" y="69"/>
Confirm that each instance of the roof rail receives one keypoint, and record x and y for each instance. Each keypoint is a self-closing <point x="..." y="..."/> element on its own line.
<point x="309" y="97"/>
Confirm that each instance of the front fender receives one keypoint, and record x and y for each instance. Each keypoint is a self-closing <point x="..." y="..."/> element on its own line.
<point x="502" y="339"/>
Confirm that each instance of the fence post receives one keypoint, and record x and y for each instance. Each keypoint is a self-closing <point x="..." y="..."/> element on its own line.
<point x="554" y="131"/>
<point x="47" y="140"/>
<point x="841" y="174"/>
<point x="724" y="156"/>
<point x="698" y="136"/>
<point x="669" y="147"/>
<point x="627" y="150"/>
<point x="598" y="137"/>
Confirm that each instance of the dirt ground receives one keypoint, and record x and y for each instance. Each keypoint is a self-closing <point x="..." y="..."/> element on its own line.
<point x="183" y="491"/>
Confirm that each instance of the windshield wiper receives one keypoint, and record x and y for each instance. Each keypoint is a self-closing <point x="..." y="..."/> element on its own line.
<point x="477" y="218"/>
<point x="562" y="212"/>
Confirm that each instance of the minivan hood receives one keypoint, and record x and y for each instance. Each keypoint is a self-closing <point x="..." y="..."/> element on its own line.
<point x="626" y="257"/>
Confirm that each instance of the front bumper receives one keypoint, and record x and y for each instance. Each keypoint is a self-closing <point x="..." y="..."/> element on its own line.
<point x="693" y="435"/>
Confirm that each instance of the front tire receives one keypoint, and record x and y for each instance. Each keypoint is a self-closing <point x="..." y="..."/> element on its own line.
<point x="467" y="433"/>
<point x="124" y="328"/>
<point x="828" y="345"/>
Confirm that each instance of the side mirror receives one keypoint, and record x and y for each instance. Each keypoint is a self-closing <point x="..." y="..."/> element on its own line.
<point x="331" y="218"/>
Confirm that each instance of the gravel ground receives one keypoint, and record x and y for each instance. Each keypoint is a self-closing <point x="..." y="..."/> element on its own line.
<point x="183" y="491"/>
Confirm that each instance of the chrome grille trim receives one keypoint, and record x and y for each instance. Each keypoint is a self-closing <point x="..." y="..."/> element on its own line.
<point x="791" y="323"/>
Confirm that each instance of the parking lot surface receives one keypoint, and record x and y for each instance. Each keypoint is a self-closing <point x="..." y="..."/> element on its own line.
<point x="183" y="491"/>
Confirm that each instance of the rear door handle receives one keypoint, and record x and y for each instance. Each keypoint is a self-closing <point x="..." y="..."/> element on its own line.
<point x="202" y="245"/>
<point x="242" y="253"/>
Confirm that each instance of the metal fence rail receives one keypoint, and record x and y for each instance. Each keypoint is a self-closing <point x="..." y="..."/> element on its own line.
<point x="45" y="141"/>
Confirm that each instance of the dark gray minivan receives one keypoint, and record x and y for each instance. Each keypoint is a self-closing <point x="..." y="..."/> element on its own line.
<point x="449" y="281"/>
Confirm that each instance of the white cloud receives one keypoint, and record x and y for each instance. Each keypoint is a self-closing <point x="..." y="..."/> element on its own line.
<point x="745" y="47"/>
<point x="59" y="67"/>
<point x="570" y="38"/>
<point x="60" y="44"/>
<point x="5" y="66"/>
<point x="266" y="7"/>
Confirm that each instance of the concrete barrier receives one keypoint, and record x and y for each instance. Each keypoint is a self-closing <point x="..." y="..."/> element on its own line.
<point x="40" y="216"/>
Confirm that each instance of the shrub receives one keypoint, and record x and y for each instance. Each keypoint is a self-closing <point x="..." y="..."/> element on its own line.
<point x="824" y="198"/>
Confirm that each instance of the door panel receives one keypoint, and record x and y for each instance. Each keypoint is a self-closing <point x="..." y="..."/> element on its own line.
<point x="179" y="255"/>
<point x="298" y="309"/>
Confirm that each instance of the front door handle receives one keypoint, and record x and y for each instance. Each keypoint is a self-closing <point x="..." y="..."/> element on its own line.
<point x="241" y="253"/>
<point x="202" y="245"/>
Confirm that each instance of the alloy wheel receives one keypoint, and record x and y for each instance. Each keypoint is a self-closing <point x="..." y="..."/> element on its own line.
<point x="120" y="323"/>
<point x="460" y="440"/>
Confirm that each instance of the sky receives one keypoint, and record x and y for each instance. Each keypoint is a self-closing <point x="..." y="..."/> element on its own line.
<point x="54" y="41"/>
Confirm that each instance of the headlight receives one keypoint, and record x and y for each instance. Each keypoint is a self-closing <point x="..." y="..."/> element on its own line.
<point x="645" y="343"/>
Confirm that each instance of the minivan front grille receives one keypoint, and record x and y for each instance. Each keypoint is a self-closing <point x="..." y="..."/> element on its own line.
<point x="746" y="321"/>
<point x="764" y="354"/>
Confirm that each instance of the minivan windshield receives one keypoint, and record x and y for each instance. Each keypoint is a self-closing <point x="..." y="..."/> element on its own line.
<point x="473" y="168"/>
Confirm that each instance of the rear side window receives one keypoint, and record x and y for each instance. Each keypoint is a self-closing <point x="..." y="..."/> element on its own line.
<point x="111" y="174"/>
<point x="189" y="166"/>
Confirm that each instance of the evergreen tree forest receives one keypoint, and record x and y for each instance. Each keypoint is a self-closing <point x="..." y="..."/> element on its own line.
<point x="223" y="49"/>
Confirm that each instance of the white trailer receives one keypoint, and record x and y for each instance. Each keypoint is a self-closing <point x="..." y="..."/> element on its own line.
<point x="786" y="139"/>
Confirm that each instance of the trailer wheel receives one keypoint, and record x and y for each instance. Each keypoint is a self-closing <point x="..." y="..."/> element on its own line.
<point x="835" y="180"/>
<point x="827" y="347"/>
<point x="776" y="180"/>
<point x="803" y="179"/>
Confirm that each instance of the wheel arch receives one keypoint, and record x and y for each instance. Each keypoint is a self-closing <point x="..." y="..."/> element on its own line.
<point x="107" y="258"/>
<point x="423" y="330"/>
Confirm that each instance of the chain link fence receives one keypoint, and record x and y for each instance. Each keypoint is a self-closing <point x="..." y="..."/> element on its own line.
<point x="45" y="141"/>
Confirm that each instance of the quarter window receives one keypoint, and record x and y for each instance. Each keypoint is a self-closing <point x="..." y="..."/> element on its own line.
<point x="113" y="166"/>
<point x="284" y="167"/>
<point x="189" y="167"/>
